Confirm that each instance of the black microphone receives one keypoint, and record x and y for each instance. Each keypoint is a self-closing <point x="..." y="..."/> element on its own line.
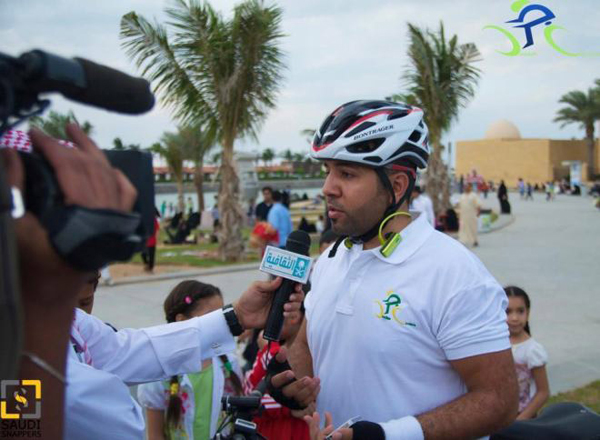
<point x="297" y="242"/>
<point x="86" y="82"/>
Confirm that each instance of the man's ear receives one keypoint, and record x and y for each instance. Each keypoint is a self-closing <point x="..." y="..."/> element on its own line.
<point x="400" y="184"/>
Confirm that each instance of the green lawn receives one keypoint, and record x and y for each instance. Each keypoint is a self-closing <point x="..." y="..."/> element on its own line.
<point x="203" y="253"/>
<point x="588" y="395"/>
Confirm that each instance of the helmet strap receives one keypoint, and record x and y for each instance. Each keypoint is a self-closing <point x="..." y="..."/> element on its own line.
<point x="392" y="208"/>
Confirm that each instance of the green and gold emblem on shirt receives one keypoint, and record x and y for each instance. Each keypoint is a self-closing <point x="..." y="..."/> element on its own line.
<point x="391" y="305"/>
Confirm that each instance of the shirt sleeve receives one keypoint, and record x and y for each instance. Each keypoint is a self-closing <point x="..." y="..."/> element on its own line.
<point x="473" y="322"/>
<point x="98" y="404"/>
<point x="272" y="218"/>
<point x="155" y="353"/>
<point x="537" y="356"/>
<point x="152" y="395"/>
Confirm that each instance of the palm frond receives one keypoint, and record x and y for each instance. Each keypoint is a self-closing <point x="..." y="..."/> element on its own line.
<point x="581" y="108"/>
<point x="148" y="46"/>
<point x="441" y="76"/>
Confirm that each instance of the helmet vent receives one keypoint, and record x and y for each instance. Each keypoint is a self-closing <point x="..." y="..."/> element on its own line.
<point x="414" y="136"/>
<point x="398" y="114"/>
<point x="360" y="128"/>
<point x="365" y="146"/>
<point x="374" y="159"/>
<point x="411" y="152"/>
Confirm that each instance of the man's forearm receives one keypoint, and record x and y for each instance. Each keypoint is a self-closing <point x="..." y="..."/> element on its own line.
<point x="475" y="414"/>
<point x="300" y="359"/>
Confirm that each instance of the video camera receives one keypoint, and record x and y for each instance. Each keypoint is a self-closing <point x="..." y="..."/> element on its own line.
<point x="87" y="239"/>
<point x="240" y="411"/>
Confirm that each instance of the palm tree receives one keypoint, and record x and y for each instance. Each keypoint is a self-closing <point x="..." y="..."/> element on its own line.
<point x="309" y="134"/>
<point x="267" y="156"/>
<point x="196" y="143"/>
<point x="54" y="124"/>
<point x="441" y="79"/>
<point x="171" y="149"/>
<point x="215" y="159"/>
<point x="224" y="73"/>
<point x="120" y="146"/>
<point x="287" y="155"/>
<point x="583" y="109"/>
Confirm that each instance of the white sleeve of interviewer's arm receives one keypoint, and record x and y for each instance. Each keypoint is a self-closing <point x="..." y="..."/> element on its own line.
<point x="155" y="353"/>
<point x="98" y="405"/>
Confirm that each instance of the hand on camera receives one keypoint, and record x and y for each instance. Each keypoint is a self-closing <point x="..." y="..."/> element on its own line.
<point x="86" y="179"/>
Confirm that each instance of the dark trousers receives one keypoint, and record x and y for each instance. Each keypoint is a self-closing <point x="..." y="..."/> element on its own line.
<point x="148" y="257"/>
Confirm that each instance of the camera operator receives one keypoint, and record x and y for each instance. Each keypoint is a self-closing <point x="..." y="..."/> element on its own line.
<point x="98" y="403"/>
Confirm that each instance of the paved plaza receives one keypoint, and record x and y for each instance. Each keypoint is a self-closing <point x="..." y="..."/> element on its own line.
<point x="551" y="250"/>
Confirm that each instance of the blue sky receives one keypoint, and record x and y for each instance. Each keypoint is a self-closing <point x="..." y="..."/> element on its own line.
<point x="337" y="51"/>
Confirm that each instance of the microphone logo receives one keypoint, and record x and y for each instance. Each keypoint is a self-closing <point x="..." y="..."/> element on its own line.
<point x="283" y="263"/>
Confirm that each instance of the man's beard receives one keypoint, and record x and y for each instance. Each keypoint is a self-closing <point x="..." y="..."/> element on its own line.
<point x="362" y="220"/>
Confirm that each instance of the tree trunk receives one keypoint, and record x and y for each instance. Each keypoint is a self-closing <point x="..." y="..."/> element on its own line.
<point x="589" y="131"/>
<point x="199" y="184"/>
<point x="437" y="181"/>
<point x="180" y="201"/>
<point x="231" y="244"/>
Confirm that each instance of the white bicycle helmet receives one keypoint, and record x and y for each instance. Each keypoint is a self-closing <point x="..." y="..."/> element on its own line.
<point x="377" y="134"/>
<point x="373" y="133"/>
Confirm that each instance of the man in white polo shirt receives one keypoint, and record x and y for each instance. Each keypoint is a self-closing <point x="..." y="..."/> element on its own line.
<point x="404" y="326"/>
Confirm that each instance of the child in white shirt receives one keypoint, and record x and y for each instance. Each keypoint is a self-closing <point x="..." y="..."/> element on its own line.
<point x="530" y="357"/>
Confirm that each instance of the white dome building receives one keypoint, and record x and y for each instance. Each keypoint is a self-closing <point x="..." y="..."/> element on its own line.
<point x="502" y="129"/>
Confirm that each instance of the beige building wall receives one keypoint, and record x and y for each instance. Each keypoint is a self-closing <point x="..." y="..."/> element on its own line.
<point x="565" y="150"/>
<point x="505" y="159"/>
<point x="535" y="160"/>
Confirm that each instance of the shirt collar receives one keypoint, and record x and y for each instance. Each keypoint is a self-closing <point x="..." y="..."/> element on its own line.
<point x="413" y="237"/>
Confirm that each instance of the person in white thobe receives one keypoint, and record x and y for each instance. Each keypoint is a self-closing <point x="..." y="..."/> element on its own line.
<point x="469" y="206"/>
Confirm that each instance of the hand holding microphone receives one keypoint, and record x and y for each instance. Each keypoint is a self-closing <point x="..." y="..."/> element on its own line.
<point x="294" y="266"/>
<point x="266" y="303"/>
<point x="253" y="306"/>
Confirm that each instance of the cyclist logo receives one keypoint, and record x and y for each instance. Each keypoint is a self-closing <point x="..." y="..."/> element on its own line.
<point x="527" y="23"/>
<point x="392" y="303"/>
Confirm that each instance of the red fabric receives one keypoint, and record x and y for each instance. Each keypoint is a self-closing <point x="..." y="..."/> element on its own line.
<point x="19" y="140"/>
<point x="151" y="242"/>
<point x="263" y="234"/>
<point x="276" y="422"/>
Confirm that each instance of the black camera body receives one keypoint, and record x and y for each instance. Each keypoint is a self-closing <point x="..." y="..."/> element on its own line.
<point x="86" y="238"/>
<point x="90" y="239"/>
